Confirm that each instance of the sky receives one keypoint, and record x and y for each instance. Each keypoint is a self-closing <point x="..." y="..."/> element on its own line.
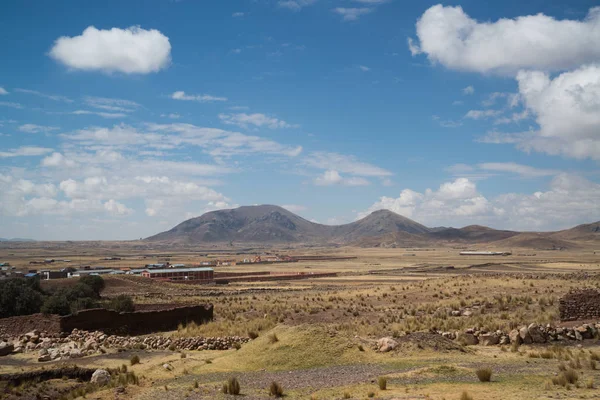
<point x="120" y="119"/>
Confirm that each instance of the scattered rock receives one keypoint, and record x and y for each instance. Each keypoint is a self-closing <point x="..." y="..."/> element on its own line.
<point x="100" y="377"/>
<point x="386" y="344"/>
<point x="6" y="348"/>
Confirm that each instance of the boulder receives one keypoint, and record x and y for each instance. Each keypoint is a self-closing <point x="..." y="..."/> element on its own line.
<point x="386" y="344"/>
<point x="525" y="336"/>
<point x="168" y="367"/>
<point x="585" y="331"/>
<point x="6" y="349"/>
<point x="75" y="353"/>
<point x="537" y="336"/>
<point x="468" y="339"/>
<point x="489" y="339"/>
<point x="44" y="358"/>
<point x="100" y="377"/>
<point x="515" y="337"/>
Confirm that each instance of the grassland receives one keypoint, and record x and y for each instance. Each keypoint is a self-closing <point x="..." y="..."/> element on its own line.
<point x="316" y="337"/>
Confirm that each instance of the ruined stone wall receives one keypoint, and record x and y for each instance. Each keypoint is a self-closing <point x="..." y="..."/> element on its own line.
<point x="580" y="305"/>
<point x="137" y="322"/>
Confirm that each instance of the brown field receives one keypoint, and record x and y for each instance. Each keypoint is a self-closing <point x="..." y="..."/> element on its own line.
<point x="316" y="336"/>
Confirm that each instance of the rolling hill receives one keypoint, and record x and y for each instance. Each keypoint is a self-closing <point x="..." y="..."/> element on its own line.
<point x="269" y="224"/>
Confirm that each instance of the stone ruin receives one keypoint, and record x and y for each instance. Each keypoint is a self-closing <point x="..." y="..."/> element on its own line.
<point x="580" y="304"/>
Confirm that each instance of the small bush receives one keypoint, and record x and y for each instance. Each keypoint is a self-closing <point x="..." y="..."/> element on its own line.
<point x="571" y="375"/>
<point x="590" y="384"/>
<point x="346" y="395"/>
<point x="361" y="348"/>
<point x="484" y="374"/>
<point x="135" y="359"/>
<point x="232" y="386"/>
<point x="124" y="368"/>
<point x="196" y="385"/>
<point x="371" y="394"/>
<point x="183" y="355"/>
<point x="121" y="303"/>
<point x="252" y="334"/>
<point x="273" y="338"/>
<point x="275" y="389"/>
<point x="382" y="383"/>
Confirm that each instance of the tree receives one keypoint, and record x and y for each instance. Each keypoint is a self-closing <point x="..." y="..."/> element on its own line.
<point x="19" y="297"/>
<point x="121" y="303"/>
<point x="94" y="281"/>
<point x="57" y="304"/>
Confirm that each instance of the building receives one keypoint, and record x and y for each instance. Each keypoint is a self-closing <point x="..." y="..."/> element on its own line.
<point x="485" y="253"/>
<point x="47" y="274"/>
<point x="181" y="274"/>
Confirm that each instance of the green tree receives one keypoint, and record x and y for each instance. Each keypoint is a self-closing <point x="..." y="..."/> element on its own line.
<point x="121" y="303"/>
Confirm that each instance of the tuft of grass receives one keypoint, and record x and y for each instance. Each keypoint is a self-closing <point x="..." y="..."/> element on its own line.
<point x="590" y="383"/>
<point x="252" y="334"/>
<point x="196" y="385"/>
<point x="382" y="382"/>
<point x="275" y="389"/>
<point x="232" y="386"/>
<point x="183" y="355"/>
<point x="124" y="368"/>
<point x="361" y="348"/>
<point x="135" y="359"/>
<point x="371" y="394"/>
<point x="273" y="338"/>
<point x="484" y="374"/>
<point x="466" y="396"/>
<point x="346" y="395"/>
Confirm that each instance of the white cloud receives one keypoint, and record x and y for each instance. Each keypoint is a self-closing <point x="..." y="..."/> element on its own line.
<point x="47" y="96"/>
<point x="110" y="104"/>
<point x="32" y="128"/>
<point x="132" y="51"/>
<point x="115" y="208"/>
<point x="202" y="98"/>
<point x="352" y="14"/>
<point x="98" y="113"/>
<point x="567" y="110"/>
<point x="256" y="119"/>
<point x="482" y="114"/>
<point x="468" y="90"/>
<point x="11" y="104"/>
<point x="238" y="14"/>
<point x="3" y="91"/>
<point x="373" y="2"/>
<point x="512" y="99"/>
<point x="25" y="151"/>
<point x="364" y="68"/>
<point x="332" y="177"/>
<point x="570" y="200"/>
<point x="447" y="35"/>
<point x="344" y="164"/>
<point x="525" y="171"/>
<point x="57" y="160"/>
<point x="295" y="5"/>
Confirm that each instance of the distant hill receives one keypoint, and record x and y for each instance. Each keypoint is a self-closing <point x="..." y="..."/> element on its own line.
<point x="16" y="240"/>
<point x="269" y="224"/>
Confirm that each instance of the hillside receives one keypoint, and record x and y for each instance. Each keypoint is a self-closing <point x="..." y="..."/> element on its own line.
<point x="269" y="224"/>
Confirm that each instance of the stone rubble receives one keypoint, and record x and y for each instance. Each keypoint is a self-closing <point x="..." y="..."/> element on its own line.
<point x="83" y="343"/>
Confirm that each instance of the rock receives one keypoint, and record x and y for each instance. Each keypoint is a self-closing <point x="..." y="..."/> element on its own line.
<point x="489" y="339"/>
<point x="386" y="344"/>
<point x="100" y="377"/>
<point x="168" y="367"/>
<point x="44" y="358"/>
<point x="585" y="331"/>
<point x="6" y="349"/>
<point x="467" y="313"/>
<point x="537" y="336"/>
<point x="455" y="313"/>
<point x="75" y="353"/>
<point x="468" y="339"/>
<point x="525" y="336"/>
<point x="515" y="337"/>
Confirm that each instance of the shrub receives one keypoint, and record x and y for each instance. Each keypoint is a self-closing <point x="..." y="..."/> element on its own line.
<point x="121" y="303"/>
<point x="124" y="368"/>
<point x="252" y="334"/>
<point x="361" y="348"/>
<point x="466" y="396"/>
<point x="20" y="297"/>
<point x="93" y="281"/>
<point x="273" y="338"/>
<point x="183" y="355"/>
<point x="56" y="304"/>
<point x="590" y="383"/>
<point x="346" y="395"/>
<point x="484" y="374"/>
<point x="275" y="389"/>
<point x="232" y="386"/>
<point x="382" y="382"/>
<point x="135" y="359"/>
<point x="371" y="394"/>
<point x="196" y="385"/>
<point x="571" y="375"/>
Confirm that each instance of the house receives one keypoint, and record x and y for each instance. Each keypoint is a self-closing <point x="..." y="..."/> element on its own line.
<point x="180" y="274"/>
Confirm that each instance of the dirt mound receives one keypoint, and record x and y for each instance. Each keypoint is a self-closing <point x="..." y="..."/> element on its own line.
<point x="427" y="341"/>
<point x="14" y="326"/>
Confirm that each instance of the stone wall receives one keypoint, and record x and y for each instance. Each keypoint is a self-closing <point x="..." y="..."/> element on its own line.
<point x="580" y="305"/>
<point x="137" y="322"/>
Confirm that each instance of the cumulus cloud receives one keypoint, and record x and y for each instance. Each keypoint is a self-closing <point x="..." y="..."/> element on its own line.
<point x="244" y="120"/>
<point x="115" y="208"/>
<point x="482" y="114"/>
<point x="202" y="98"/>
<point x="332" y="177"/>
<point x="447" y="35"/>
<point x="57" y="160"/>
<point x="131" y="51"/>
<point x="570" y="200"/>
<point x="352" y="14"/>
<point x="32" y="128"/>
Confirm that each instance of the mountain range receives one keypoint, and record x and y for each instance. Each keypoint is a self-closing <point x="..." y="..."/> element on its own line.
<point x="268" y="224"/>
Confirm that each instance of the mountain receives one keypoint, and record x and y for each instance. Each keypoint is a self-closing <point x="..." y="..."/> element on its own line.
<point x="268" y="224"/>
<point x="251" y="224"/>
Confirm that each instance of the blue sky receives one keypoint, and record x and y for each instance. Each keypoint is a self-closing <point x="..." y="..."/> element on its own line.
<point x="120" y="119"/>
